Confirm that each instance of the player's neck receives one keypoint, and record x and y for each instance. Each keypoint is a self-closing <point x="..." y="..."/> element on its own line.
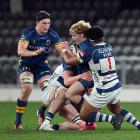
<point x="97" y="41"/>
<point x="38" y="31"/>
<point x="82" y="39"/>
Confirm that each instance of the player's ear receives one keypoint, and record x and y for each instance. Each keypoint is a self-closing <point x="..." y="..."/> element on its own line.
<point x="37" y="22"/>
<point x="82" y="35"/>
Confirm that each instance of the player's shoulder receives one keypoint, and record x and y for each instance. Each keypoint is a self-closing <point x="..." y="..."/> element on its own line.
<point x="53" y="33"/>
<point x="29" y="31"/>
<point x="104" y="46"/>
<point x="86" y="44"/>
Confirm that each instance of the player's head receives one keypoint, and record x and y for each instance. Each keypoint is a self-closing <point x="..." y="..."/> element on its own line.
<point x="43" y="22"/>
<point x="77" y="30"/>
<point x="95" y="33"/>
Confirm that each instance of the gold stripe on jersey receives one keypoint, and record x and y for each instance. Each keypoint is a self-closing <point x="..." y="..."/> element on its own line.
<point x="23" y="40"/>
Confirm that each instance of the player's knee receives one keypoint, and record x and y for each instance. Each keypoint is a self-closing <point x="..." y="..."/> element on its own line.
<point x="60" y="93"/>
<point x="61" y="96"/>
<point x="26" y="79"/>
<point x="68" y="95"/>
<point x="26" y="88"/>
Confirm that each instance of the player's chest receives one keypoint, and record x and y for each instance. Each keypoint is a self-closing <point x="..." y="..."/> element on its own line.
<point x="40" y="41"/>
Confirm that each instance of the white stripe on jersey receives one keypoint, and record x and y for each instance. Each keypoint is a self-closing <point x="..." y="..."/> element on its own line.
<point x="104" y="74"/>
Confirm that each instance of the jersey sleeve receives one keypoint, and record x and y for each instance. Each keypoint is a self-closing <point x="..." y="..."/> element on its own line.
<point x="67" y="67"/>
<point x="55" y="39"/>
<point x="85" y="53"/>
<point x="25" y="36"/>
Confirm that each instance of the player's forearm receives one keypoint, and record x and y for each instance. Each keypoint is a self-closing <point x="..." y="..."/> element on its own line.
<point x="69" y="81"/>
<point x="72" y="60"/>
<point x="26" y="53"/>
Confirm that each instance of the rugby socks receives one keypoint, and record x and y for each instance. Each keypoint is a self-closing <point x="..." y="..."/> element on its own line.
<point x="76" y="119"/>
<point x="20" y="109"/>
<point x="129" y="117"/>
<point x="99" y="117"/>
<point x="42" y="110"/>
<point x="49" y="117"/>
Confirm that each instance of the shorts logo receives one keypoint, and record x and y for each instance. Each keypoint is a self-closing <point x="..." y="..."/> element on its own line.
<point x="48" y="42"/>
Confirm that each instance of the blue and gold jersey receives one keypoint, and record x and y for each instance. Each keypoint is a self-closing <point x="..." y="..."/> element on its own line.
<point x="36" y="41"/>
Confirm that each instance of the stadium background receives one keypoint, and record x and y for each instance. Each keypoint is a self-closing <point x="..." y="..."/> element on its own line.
<point x="120" y="20"/>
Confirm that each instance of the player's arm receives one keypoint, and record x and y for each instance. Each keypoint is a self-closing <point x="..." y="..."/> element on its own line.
<point x="23" y="51"/>
<point x="69" y="79"/>
<point x="68" y="55"/>
<point x="71" y="59"/>
<point x="58" y="48"/>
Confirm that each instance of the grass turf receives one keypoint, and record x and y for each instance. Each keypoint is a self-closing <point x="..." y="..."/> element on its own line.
<point x="103" y="132"/>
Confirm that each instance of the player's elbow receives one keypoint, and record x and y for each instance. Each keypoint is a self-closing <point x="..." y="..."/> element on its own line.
<point x="20" y="52"/>
<point x="67" y="83"/>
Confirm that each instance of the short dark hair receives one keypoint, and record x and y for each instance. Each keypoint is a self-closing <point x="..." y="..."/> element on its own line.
<point x="42" y="15"/>
<point x="94" y="33"/>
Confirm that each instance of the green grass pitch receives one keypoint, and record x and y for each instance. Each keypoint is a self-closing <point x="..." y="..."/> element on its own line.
<point x="103" y="132"/>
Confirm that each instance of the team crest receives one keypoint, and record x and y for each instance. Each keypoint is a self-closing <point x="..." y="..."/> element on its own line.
<point x="47" y="42"/>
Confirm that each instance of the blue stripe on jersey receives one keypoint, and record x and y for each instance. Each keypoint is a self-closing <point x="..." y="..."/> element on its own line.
<point x="106" y="73"/>
<point x="106" y="82"/>
<point x="61" y="80"/>
<point x="115" y="87"/>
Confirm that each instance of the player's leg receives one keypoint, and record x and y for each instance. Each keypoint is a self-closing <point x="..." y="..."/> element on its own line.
<point x="91" y="106"/>
<point x="41" y="111"/>
<point x="124" y="114"/>
<point x="26" y="79"/>
<point x="115" y="108"/>
<point x="91" y="114"/>
<point x="71" y="116"/>
<point x="74" y="92"/>
<point x="77" y="89"/>
<point x="54" y="107"/>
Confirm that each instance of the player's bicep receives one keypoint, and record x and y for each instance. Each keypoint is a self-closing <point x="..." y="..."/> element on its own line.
<point x="58" y="48"/>
<point x="22" y="45"/>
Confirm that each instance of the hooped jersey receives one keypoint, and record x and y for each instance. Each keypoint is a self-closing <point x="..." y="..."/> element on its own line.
<point x="102" y="63"/>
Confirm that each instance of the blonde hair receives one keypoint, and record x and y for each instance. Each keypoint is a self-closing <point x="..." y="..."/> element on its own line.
<point x="79" y="27"/>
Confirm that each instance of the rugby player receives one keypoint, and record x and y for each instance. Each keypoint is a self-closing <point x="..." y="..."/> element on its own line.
<point x="107" y="86"/>
<point x="33" y="47"/>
